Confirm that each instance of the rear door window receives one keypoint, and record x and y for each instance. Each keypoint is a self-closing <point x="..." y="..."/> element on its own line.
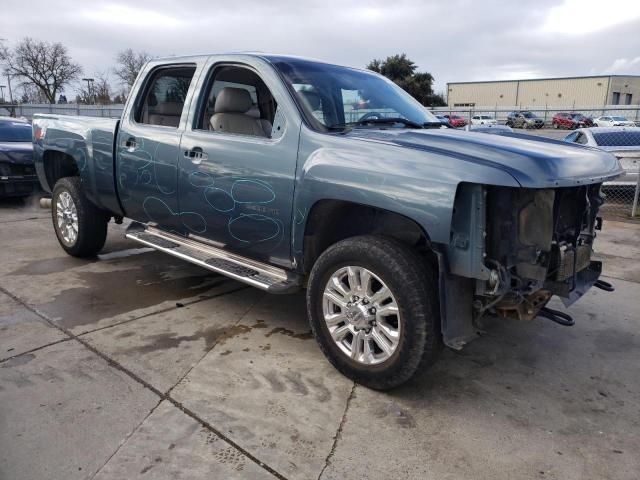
<point x="163" y="100"/>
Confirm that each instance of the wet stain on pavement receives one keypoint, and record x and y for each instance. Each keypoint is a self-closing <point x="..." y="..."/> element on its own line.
<point x="17" y="361"/>
<point x="290" y="333"/>
<point x="52" y="265"/>
<point x="108" y="294"/>
<point x="293" y="381"/>
<point x="614" y="341"/>
<point x="401" y="416"/>
<point x="211" y="336"/>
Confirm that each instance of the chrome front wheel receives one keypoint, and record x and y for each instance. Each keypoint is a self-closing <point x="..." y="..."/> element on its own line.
<point x="362" y="315"/>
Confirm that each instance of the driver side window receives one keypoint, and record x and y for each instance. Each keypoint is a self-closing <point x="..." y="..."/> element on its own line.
<point x="237" y="101"/>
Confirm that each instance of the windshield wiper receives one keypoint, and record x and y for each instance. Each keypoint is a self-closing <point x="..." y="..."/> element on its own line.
<point x="435" y="125"/>
<point x="346" y="127"/>
<point x="389" y="120"/>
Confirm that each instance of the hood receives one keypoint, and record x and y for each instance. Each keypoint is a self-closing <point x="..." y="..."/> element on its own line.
<point x="534" y="162"/>
<point x="17" y="152"/>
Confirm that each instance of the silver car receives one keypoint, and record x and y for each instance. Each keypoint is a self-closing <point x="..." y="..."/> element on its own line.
<point x="623" y="142"/>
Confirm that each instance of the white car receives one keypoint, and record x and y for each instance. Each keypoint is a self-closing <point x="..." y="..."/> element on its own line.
<point x="483" y="120"/>
<point x="624" y="143"/>
<point x="612" y="121"/>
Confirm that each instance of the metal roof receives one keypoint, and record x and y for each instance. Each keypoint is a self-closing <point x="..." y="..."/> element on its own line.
<point x="543" y="79"/>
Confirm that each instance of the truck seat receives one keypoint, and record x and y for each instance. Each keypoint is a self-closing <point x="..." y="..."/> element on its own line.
<point x="166" y="113"/>
<point x="231" y="114"/>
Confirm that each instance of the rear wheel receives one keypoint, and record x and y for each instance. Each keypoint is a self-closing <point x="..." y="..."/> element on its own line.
<point x="80" y="226"/>
<point x="373" y="308"/>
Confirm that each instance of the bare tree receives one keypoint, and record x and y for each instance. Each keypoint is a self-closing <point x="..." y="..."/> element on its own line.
<point x="129" y="65"/>
<point x="102" y="89"/>
<point x="29" y="93"/>
<point x="46" y="65"/>
<point x="99" y="93"/>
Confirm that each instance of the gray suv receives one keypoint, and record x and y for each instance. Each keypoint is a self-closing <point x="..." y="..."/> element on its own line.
<point x="524" y="119"/>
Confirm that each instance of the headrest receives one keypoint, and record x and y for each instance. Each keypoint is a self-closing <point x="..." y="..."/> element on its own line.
<point x="311" y="99"/>
<point x="233" y="100"/>
<point x="254" y="112"/>
<point x="168" y="108"/>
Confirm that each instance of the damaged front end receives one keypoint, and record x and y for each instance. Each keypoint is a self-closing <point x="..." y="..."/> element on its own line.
<point x="539" y="244"/>
<point x="521" y="247"/>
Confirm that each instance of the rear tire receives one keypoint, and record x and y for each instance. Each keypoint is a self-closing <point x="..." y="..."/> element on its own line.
<point x="80" y="226"/>
<point x="389" y="349"/>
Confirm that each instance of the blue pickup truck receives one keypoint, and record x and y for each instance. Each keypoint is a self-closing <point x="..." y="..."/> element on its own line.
<point x="286" y="173"/>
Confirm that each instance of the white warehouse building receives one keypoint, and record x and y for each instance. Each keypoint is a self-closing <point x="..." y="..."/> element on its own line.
<point x="564" y="93"/>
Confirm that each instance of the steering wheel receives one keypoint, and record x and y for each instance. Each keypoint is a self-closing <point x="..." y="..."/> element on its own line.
<point x="370" y="115"/>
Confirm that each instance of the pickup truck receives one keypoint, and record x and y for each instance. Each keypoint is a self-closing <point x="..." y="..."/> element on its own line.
<point x="286" y="173"/>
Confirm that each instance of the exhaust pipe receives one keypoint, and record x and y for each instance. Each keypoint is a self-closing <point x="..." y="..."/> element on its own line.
<point x="45" y="203"/>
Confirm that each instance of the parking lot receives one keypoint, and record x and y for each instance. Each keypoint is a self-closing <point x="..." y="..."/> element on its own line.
<point x="136" y="365"/>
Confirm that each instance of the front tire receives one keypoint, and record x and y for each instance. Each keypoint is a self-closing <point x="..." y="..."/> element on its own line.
<point x="373" y="308"/>
<point x="80" y="226"/>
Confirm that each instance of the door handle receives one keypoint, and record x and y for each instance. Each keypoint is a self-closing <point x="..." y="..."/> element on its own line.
<point x="196" y="155"/>
<point x="130" y="144"/>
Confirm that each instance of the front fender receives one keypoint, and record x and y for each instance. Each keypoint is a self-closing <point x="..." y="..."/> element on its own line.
<point x="418" y="185"/>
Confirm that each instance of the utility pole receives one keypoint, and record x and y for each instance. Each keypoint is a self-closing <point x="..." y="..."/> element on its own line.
<point x="89" y="88"/>
<point x="12" y="112"/>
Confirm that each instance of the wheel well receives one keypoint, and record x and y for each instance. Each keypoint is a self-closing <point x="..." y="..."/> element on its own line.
<point x="330" y="221"/>
<point x="58" y="165"/>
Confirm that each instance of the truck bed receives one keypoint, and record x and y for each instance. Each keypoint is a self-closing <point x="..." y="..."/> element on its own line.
<point x="90" y="141"/>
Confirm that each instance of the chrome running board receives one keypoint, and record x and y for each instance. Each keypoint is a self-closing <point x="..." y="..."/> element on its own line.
<point x="257" y="274"/>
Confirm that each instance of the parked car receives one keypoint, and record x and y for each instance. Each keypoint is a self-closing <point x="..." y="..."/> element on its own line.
<point x="623" y="142"/>
<point x="17" y="173"/>
<point x="524" y="119"/>
<point x="613" y="121"/>
<point x="495" y="129"/>
<point x="570" y="120"/>
<point x="403" y="233"/>
<point x="456" y="121"/>
<point x="442" y="119"/>
<point x="483" y="120"/>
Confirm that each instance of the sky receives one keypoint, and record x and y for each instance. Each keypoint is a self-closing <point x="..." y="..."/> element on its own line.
<point x="454" y="40"/>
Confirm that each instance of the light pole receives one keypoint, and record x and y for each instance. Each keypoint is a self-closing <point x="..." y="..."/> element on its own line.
<point x="89" y="87"/>
<point x="2" y="93"/>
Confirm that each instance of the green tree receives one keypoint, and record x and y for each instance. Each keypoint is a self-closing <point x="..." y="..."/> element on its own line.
<point x="402" y="71"/>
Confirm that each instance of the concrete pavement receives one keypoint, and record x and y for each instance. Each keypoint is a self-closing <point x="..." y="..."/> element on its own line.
<point x="135" y="365"/>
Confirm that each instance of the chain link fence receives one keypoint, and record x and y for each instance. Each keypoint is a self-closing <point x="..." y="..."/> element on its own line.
<point x="28" y="110"/>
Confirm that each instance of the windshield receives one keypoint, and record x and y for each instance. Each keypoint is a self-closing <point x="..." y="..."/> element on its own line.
<point x="619" y="119"/>
<point x="15" y="132"/>
<point x="528" y="115"/>
<point x="617" y="139"/>
<point x="335" y="97"/>
<point x="578" y="116"/>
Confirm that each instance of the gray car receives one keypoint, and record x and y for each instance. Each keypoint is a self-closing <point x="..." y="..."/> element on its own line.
<point x="623" y="142"/>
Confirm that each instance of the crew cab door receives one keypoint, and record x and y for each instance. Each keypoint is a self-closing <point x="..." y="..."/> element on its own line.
<point x="238" y="161"/>
<point x="148" y="145"/>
